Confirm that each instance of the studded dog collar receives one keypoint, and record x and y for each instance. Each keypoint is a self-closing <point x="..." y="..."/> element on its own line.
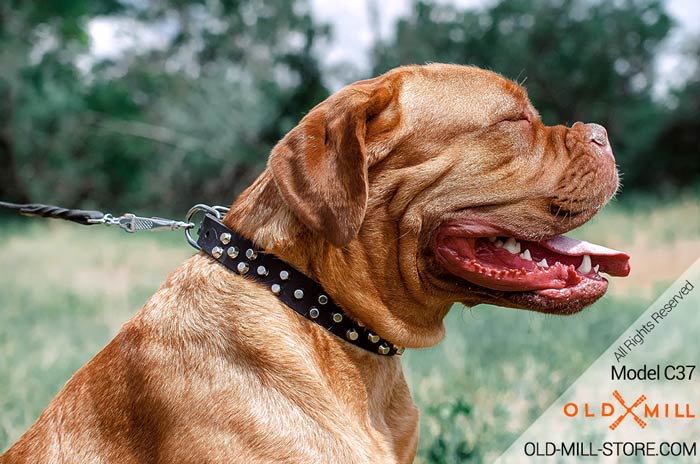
<point x="297" y="291"/>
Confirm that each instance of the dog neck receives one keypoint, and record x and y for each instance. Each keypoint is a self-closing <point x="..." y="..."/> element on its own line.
<point x="261" y="215"/>
<point x="289" y="285"/>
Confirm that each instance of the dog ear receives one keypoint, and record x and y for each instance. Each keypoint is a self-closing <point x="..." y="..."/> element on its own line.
<point x="320" y="166"/>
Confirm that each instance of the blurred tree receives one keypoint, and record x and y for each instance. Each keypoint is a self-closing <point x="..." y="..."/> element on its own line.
<point x="675" y="158"/>
<point x="186" y="112"/>
<point x="580" y="61"/>
<point x="37" y="40"/>
<point x="202" y="89"/>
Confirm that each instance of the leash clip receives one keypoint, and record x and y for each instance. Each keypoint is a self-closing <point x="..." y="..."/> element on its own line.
<point x="132" y="223"/>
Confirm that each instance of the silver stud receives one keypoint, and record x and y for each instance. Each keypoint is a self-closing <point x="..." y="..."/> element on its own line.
<point x="251" y="254"/>
<point x="322" y="299"/>
<point x="337" y="317"/>
<point x="383" y="349"/>
<point x="262" y="271"/>
<point x="284" y="275"/>
<point x="243" y="268"/>
<point x="225" y="238"/>
<point x="372" y="337"/>
<point x="276" y="289"/>
<point x="298" y="294"/>
<point x="216" y="252"/>
<point x="314" y="312"/>
<point x="400" y="350"/>
<point x="352" y="335"/>
<point x="232" y="252"/>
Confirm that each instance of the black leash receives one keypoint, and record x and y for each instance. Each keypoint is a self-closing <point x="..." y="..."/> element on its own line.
<point x="128" y="222"/>
<point x="80" y="216"/>
<point x="238" y="254"/>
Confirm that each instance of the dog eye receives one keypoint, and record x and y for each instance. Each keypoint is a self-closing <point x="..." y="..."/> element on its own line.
<point x="518" y="117"/>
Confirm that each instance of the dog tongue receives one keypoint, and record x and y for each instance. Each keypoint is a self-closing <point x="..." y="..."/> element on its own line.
<point x="615" y="263"/>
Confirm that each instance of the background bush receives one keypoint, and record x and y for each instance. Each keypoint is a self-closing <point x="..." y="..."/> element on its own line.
<point x="192" y="114"/>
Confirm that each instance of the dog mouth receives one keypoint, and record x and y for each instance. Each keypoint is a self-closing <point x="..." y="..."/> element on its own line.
<point x="559" y="274"/>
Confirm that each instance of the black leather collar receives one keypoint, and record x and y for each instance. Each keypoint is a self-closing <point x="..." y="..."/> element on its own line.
<point x="294" y="289"/>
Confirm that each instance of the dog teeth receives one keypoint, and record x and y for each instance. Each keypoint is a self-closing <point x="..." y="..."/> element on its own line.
<point x="596" y="267"/>
<point x="526" y="255"/>
<point x="498" y="244"/>
<point x="512" y="245"/>
<point x="585" y="266"/>
<point x="493" y="239"/>
<point x="543" y="263"/>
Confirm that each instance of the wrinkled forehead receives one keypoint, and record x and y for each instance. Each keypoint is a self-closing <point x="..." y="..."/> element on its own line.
<point x="447" y="94"/>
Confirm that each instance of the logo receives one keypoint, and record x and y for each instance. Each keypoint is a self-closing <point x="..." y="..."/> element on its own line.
<point x="628" y="410"/>
<point x="640" y="411"/>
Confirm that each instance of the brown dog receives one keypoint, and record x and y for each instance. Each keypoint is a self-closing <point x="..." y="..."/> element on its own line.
<point x="401" y="195"/>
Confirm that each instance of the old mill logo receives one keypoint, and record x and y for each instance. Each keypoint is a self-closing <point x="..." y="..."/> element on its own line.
<point x="639" y="411"/>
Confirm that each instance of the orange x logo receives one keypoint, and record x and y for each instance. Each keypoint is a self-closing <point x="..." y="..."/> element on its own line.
<point x="628" y="410"/>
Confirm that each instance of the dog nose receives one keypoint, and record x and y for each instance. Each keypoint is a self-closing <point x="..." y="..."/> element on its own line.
<point x="598" y="135"/>
<point x="595" y="134"/>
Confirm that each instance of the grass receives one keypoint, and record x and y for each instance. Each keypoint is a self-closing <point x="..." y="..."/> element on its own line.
<point x="66" y="290"/>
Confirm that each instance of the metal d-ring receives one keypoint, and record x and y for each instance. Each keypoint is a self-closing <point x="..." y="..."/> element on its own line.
<point x="213" y="210"/>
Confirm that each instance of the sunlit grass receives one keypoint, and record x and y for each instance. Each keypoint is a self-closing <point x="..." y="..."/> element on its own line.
<point x="66" y="290"/>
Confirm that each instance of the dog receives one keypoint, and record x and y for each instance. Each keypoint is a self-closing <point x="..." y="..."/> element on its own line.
<point x="400" y="195"/>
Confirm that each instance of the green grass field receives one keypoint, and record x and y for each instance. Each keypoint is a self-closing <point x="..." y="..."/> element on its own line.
<point x="66" y="290"/>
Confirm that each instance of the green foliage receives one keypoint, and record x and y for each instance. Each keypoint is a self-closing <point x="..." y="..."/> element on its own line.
<point x="159" y="127"/>
<point x="455" y="440"/>
<point x="678" y="140"/>
<point x="192" y="116"/>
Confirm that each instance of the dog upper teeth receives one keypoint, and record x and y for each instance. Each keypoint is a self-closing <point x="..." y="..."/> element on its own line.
<point x="543" y="263"/>
<point x="493" y="239"/>
<point x="526" y="255"/>
<point x="512" y="245"/>
<point x="498" y="244"/>
<point x="585" y="266"/>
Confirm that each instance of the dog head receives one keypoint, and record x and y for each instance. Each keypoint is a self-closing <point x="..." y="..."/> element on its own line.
<point x="431" y="185"/>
